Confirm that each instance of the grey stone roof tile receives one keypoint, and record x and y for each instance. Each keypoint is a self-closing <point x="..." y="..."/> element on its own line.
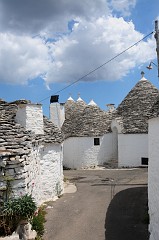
<point x="85" y="120"/>
<point x="136" y="106"/>
<point x="154" y="112"/>
<point x="14" y="137"/>
<point x="51" y="132"/>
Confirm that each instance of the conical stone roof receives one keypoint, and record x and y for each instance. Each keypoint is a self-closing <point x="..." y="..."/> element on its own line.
<point x="85" y="120"/>
<point x="134" y="110"/>
<point x="154" y="112"/>
<point x="93" y="122"/>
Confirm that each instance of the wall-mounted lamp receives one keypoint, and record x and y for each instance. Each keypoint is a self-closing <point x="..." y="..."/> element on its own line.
<point x="150" y="65"/>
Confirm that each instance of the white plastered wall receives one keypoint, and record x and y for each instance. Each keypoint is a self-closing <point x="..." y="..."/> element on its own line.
<point x="51" y="165"/>
<point x="153" y="178"/>
<point x="57" y="114"/>
<point x="80" y="152"/>
<point x="30" y="116"/>
<point x="131" y="148"/>
<point x="42" y="174"/>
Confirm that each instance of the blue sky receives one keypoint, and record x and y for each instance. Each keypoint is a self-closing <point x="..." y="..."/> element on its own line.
<point x="47" y="45"/>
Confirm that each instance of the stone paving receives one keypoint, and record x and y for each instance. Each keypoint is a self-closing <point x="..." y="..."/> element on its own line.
<point x="108" y="205"/>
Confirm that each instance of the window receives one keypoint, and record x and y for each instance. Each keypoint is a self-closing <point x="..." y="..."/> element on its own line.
<point x="144" y="161"/>
<point x="96" y="141"/>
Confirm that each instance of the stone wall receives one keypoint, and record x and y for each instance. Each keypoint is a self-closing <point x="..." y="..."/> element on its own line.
<point x="39" y="173"/>
<point x="33" y="170"/>
<point x="80" y="152"/>
<point x="31" y="159"/>
<point x="153" y="178"/>
<point x="13" y="172"/>
<point x="131" y="148"/>
<point x="23" y="171"/>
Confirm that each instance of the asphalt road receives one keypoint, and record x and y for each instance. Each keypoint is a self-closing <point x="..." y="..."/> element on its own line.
<point x="108" y="205"/>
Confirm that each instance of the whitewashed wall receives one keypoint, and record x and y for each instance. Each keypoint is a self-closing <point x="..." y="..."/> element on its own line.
<point x="80" y="152"/>
<point x="51" y="165"/>
<point x="46" y="172"/>
<point x="33" y="173"/>
<point x="115" y="143"/>
<point x="131" y="148"/>
<point x="153" y="178"/>
<point x="30" y="116"/>
<point x="25" y="170"/>
<point x="40" y="173"/>
<point x="57" y="113"/>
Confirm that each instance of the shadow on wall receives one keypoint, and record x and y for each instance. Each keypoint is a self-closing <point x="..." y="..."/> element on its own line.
<point x="126" y="215"/>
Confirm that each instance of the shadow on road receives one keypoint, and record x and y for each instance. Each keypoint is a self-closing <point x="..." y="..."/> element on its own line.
<point x="125" y="215"/>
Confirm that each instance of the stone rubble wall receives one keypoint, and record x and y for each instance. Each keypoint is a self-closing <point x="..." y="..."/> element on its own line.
<point x="12" y="169"/>
<point x="153" y="178"/>
<point x="30" y="151"/>
<point x="38" y="173"/>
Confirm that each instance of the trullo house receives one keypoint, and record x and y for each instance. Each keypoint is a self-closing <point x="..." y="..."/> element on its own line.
<point x="31" y="152"/>
<point x="131" y="124"/>
<point x="96" y="137"/>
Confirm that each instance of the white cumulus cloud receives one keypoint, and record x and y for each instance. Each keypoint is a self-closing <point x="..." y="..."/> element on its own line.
<point x="93" y="43"/>
<point x="122" y="6"/>
<point x="21" y="58"/>
<point x="96" y="37"/>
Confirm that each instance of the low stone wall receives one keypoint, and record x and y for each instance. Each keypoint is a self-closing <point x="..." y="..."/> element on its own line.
<point x="13" y="172"/>
<point x="38" y="173"/>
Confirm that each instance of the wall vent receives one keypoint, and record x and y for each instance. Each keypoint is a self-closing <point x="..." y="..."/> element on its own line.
<point x="96" y="141"/>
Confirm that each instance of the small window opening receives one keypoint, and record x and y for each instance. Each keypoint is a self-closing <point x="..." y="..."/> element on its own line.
<point x="144" y="161"/>
<point x="96" y="141"/>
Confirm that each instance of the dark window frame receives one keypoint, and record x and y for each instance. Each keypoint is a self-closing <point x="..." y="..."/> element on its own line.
<point x="144" y="161"/>
<point x="96" y="141"/>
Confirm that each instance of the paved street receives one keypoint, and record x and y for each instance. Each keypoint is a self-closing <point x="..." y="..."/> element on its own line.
<point x="108" y="205"/>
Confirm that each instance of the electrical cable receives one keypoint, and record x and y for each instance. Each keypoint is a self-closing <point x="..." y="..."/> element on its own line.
<point x="98" y="67"/>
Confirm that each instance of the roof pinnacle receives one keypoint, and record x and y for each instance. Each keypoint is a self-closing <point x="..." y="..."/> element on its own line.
<point x="142" y="74"/>
<point x="143" y="78"/>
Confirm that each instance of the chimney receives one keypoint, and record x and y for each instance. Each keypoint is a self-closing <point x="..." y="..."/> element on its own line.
<point x="57" y="111"/>
<point x="111" y="107"/>
<point x="30" y="116"/>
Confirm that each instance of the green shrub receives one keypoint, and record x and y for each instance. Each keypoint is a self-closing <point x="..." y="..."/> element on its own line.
<point x="15" y="210"/>
<point x="24" y="207"/>
<point x="38" y="221"/>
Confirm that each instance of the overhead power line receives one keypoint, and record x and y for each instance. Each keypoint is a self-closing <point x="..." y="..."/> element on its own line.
<point x="79" y="79"/>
